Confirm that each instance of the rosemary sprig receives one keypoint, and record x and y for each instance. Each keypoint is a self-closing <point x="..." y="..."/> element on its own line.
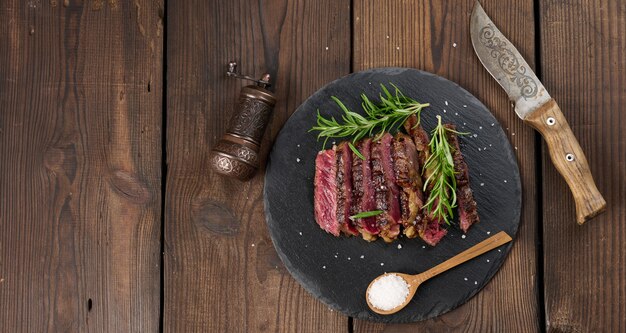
<point x="356" y="151"/>
<point x="442" y="198"/>
<point x="366" y="214"/>
<point x="390" y="112"/>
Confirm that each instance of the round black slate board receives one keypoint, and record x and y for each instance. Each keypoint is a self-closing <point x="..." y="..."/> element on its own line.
<point x="338" y="270"/>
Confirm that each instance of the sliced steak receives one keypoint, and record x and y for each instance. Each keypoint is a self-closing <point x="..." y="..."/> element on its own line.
<point x="363" y="190"/>
<point x="386" y="189"/>
<point x="406" y="167"/>
<point x="326" y="191"/>
<point x="344" y="190"/>
<point x="468" y="214"/>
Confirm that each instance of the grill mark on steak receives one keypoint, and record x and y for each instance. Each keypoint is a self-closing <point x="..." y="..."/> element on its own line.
<point x="344" y="190"/>
<point x="325" y="192"/>
<point x="386" y="190"/>
<point x="468" y="213"/>
<point x="407" y="172"/>
<point x="363" y="190"/>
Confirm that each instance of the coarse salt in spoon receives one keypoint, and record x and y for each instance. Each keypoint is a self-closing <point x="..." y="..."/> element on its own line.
<point x="391" y="292"/>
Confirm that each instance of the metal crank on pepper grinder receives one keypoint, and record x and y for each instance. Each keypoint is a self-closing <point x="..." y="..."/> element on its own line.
<point x="535" y="106"/>
<point x="237" y="153"/>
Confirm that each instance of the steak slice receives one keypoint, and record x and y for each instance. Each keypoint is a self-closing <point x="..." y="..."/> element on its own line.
<point x="406" y="167"/>
<point x="344" y="190"/>
<point x="431" y="231"/>
<point x="428" y="228"/>
<point x="468" y="214"/>
<point x="363" y="190"/>
<point x="325" y="201"/>
<point x="421" y="140"/>
<point x="386" y="189"/>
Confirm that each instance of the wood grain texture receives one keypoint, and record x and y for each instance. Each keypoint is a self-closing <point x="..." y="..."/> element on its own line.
<point x="80" y="165"/>
<point x="222" y="273"/>
<point x="568" y="158"/>
<point x="434" y="36"/>
<point x="584" y="69"/>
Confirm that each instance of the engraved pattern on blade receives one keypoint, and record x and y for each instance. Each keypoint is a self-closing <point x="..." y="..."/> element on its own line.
<point x="508" y="62"/>
<point x="504" y="62"/>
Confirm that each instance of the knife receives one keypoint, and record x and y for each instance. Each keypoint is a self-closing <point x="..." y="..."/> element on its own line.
<point x="535" y="106"/>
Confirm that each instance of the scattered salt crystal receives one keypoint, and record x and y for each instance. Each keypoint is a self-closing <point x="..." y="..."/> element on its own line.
<point x="475" y="282"/>
<point x="399" y="246"/>
<point x="453" y="44"/>
<point x="298" y="145"/>
<point x="464" y="105"/>
<point x="300" y="233"/>
<point x="463" y="236"/>
<point x="423" y="246"/>
<point x="493" y="124"/>
<point x="482" y="184"/>
<point x="382" y="264"/>
<point x="475" y="135"/>
<point x="505" y="180"/>
<point x="479" y="149"/>
<point x="487" y="260"/>
<point x="446" y="102"/>
<point x="488" y="232"/>
<point x="335" y="256"/>
<point x="444" y="111"/>
<point x="465" y="279"/>
<point x="388" y="292"/>
<point x="387" y="36"/>
<point x="323" y="267"/>
<point x="326" y="48"/>
<point x="513" y="134"/>
<point x="397" y="47"/>
<point x="252" y="244"/>
<point x="490" y="145"/>
<point x="362" y="256"/>
<point x="464" y="124"/>
<point x="515" y="147"/>
<point x="456" y="113"/>
<point x="298" y="159"/>
<point x="499" y="250"/>
<point x="480" y="127"/>
<point x="348" y="258"/>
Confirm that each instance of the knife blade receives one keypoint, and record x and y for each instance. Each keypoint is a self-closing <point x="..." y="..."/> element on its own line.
<point x="536" y="107"/>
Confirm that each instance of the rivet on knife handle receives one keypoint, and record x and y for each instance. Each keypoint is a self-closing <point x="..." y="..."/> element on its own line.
<point x="568" y="158"/>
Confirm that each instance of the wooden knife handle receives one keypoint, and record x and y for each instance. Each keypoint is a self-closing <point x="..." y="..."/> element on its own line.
<point x="569" y="159"/>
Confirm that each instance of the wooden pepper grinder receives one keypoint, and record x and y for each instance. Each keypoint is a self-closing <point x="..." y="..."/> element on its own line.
<point x="237" y="153"/>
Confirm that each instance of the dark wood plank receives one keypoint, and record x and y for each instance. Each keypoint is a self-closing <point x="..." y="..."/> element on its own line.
<point x="583" y="46"/>
<point x="80" y="165"/>
<point x="222" y="273"/>
<point x="434" y="36"/>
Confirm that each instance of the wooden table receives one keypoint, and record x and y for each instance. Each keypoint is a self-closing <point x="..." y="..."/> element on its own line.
<point x="111" y="220"/>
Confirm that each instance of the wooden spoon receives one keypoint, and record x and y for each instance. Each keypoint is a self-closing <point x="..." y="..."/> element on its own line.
<point x="415" y="280"/>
